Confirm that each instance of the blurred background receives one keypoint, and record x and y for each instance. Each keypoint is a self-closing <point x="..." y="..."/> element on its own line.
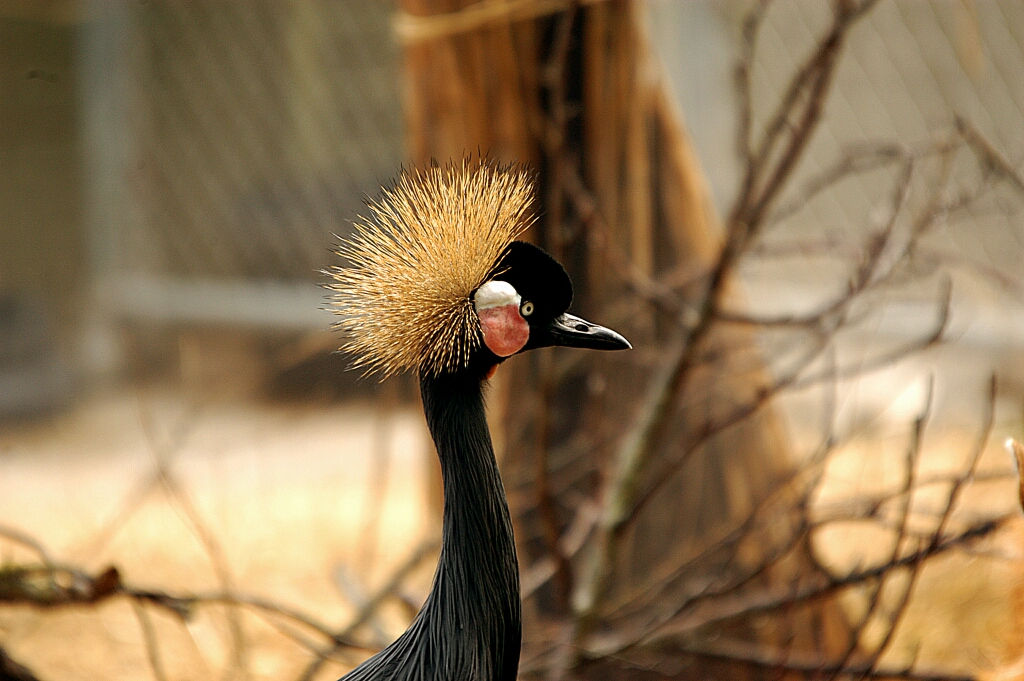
<point x="806" y="216"/>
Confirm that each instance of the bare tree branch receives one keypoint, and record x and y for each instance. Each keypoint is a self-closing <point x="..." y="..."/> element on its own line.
<point x="156" y="664"/>
<point x="770" y="660"/>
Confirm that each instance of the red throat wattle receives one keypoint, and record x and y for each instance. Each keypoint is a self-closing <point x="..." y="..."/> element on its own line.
<point x="504" y="329"/>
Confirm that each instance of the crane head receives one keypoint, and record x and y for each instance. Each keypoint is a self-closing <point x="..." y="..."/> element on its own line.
<point x="436" y="281"/>
<point x="524" y="307"/>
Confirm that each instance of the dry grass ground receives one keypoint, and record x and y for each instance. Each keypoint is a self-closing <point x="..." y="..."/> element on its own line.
<point x="284" y="490"/>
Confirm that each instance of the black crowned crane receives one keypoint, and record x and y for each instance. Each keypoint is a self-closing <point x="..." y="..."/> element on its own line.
<point x="438" y="284"/>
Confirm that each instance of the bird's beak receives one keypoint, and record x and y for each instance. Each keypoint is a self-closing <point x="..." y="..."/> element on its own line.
<point x="572" y="332"/>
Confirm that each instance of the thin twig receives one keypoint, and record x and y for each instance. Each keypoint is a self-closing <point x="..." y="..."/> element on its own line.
<point x="906" y="493"/>
<point x="18" y="537"/>
<point x="389" y="589"/>
<point x="156" y="664"/>
<point x="767" y="659"/>
<point x="952" y="501"/>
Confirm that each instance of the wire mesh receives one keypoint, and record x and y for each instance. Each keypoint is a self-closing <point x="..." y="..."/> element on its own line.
<point x="261" y="127"/>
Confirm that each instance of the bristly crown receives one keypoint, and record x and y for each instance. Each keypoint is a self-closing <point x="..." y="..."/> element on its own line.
<point x="429" y="241"/>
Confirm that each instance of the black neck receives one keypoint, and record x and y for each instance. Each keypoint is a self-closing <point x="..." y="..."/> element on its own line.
<point x="476" y="587"/>
<point x="469" y="629"/>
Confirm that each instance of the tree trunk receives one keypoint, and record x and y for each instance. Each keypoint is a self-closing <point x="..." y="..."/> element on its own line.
<point x="624" y="205"/>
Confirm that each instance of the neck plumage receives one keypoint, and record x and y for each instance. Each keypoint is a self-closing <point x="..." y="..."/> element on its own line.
<point x="470" y="627"/>
<point x="476" y="587"/>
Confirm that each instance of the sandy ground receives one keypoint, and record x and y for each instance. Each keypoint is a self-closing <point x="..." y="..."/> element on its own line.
<point x="966" y="611"/>
<point x="283" y="490"/>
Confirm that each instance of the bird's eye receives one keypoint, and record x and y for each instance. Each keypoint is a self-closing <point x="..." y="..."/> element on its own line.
<point x="526" y="309"/>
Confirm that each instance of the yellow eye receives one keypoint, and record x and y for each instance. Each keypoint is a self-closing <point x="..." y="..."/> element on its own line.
<point x="526" y="309"/>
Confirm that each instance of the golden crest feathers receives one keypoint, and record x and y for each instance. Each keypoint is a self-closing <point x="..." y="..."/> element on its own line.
<point x="429" y="241"/>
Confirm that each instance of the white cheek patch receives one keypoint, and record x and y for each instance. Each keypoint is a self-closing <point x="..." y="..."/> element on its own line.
<point x="495" y="294"/>
<point x="504" y="330"/>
